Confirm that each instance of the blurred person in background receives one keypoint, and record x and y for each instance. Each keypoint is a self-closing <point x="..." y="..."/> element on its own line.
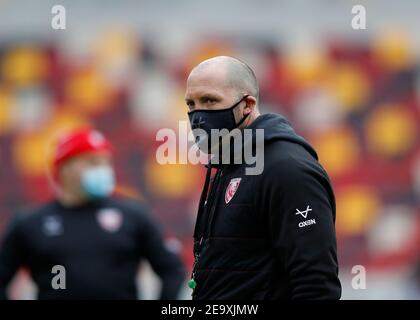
<point x="265" y="236"/>
<point x="99" y="239"/>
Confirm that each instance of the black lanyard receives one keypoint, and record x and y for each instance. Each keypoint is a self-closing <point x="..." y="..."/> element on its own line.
<point x="207" y="204"/>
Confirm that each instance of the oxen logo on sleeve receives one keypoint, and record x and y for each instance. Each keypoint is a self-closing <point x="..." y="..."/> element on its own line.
<point x="304" y="214"/>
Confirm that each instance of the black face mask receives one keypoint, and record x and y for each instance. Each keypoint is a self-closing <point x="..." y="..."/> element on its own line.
<point x="213" y="119"/>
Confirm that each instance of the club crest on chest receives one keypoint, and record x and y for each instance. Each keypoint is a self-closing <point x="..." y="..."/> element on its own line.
<point x="231" y="189"/>
<point x="109" y="219"/>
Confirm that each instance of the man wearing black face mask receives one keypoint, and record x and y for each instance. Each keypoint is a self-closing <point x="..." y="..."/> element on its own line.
<point x="210" y="121"/>
<point x="265" y="236"/>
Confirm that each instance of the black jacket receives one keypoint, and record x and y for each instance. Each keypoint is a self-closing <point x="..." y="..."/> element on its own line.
<point x="100" y="245"/>
<point x="274" y="238"/>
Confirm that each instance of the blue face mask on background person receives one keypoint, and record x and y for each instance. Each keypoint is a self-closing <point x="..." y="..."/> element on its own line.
<point x="98" y="182"/>
<point x="213" y="119"/>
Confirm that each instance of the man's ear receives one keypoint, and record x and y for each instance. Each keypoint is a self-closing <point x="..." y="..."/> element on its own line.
<point x="251" y="103"/>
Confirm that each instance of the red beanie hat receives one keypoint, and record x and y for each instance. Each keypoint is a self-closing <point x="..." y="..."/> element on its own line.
<point x="74" y="143"/>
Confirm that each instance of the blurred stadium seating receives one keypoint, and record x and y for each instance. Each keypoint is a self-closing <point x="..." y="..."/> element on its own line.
<point x="356" y="101"/>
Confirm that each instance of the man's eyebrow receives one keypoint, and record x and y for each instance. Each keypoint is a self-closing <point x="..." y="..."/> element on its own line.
<point x="210" y="96"/>
<point x="204" y="96"/>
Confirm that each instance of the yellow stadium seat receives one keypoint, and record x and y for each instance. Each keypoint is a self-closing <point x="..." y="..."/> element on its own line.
<point x="390" y="130"/>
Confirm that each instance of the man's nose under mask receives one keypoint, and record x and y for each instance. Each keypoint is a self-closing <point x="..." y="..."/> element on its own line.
<point x="98" y="181"/>
<point x="210" y="126"/>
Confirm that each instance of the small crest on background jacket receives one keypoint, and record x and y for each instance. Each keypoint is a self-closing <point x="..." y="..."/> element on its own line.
<point x="110" y="219"/>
